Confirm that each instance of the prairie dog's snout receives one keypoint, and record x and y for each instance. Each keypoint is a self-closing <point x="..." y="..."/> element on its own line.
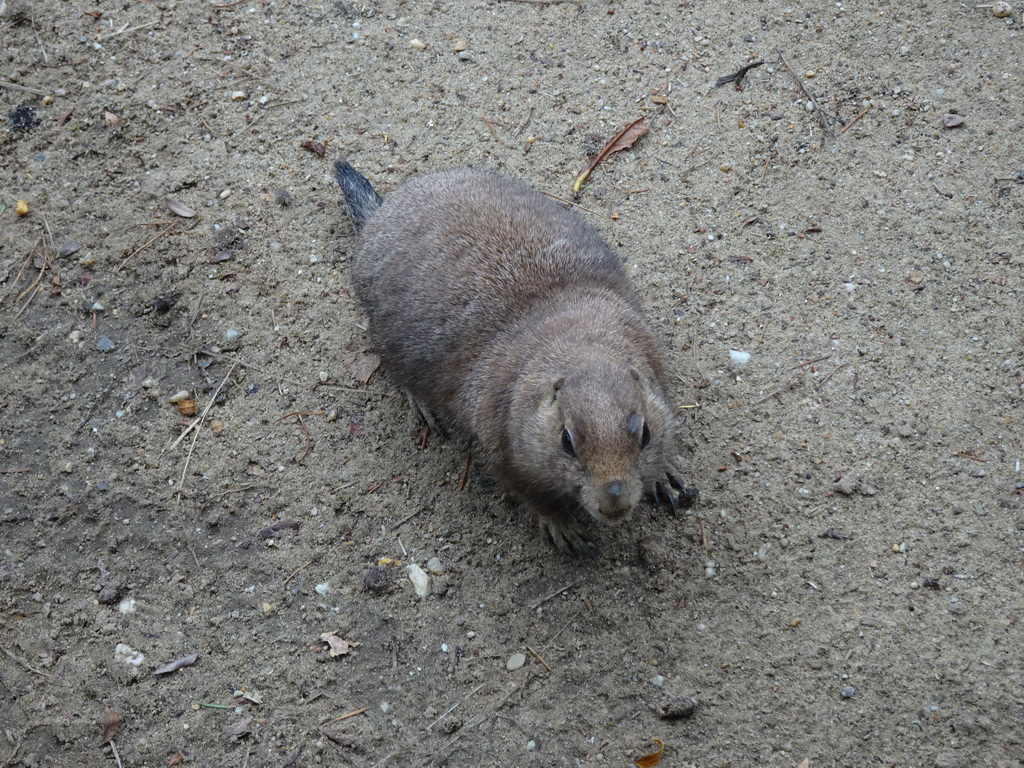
<point x="509" y="321"/>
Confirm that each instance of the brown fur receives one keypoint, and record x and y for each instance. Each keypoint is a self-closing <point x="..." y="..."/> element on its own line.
<point x="508" y="319"/>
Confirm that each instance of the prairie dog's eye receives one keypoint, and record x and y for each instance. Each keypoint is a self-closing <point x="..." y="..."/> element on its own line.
<point x="645" y="437"/>
<point x="567" y="445"/>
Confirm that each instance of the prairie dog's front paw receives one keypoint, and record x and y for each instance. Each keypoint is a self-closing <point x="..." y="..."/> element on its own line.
<point x="568" y="535"/>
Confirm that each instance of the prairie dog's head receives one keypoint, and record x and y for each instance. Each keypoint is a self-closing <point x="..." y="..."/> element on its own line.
<point x="600" y="434"/>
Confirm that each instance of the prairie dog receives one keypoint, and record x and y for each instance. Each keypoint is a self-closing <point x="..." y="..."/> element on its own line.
<point x="514" y="326"/>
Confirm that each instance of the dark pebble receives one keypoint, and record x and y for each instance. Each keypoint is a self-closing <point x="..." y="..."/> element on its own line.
<point x="679" y="708"/>
<point x="70" y="248"/>
<point x="104" y="344"/>
<point x="377" y="579"/>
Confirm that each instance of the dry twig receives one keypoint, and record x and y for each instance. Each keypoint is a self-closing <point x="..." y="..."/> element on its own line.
<point x="822" y="117"/>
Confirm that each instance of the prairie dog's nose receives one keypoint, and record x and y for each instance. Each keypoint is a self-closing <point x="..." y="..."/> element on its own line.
<point x="614" y="502"/>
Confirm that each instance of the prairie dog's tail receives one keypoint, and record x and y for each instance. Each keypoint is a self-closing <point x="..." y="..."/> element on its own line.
<point x="360" y="197"/>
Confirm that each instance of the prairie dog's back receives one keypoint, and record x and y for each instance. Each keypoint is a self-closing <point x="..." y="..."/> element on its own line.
<point x="453" y="257"/>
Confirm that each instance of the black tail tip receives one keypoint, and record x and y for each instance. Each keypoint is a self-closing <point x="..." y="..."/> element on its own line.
<point x="360" y="196"/>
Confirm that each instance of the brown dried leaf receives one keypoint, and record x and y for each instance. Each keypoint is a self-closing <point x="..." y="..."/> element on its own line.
<point x="178" y="208"/>
<point x="175" y="760"/>
<point x="109" y="722"/>
<point x="338" y="738"/>
<point x="272" y="530"/>
<point x="316" y="147"/>
<point x="649" y="761"/>
<point x="187" y="407"/>
<point x="624" y="139"/>
<point x="174" y="666"/>
<point x="239" y="730"/>
<point x="338" y="646"/>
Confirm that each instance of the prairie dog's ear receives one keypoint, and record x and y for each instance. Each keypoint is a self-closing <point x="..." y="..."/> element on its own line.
<point x="557" y="385"/>
<point x="548" y="398"/>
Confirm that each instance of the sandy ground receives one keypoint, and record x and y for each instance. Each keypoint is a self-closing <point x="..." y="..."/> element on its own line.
<point x="846" y="592"/>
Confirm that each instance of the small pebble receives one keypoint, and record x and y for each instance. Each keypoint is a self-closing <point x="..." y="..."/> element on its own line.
<point x="177" y="397"/>
<point x="848" y="691"/>
<point x="70" y="248"/>
<point x="237" y="95"/>
<point x="97" y="307"/>
<point x="418" y="44"/>
<point x="435" y="566"/>
<point x="218" y="427"/>
<point x="224" y="195"/>
<point x="740" y="358"/>
<point x="324" y="377"/>
<point x="231" y="336"/>
<point x="377" y="579"/>
<point x="419" y="578"/>
<point x="515" y="661"/>
<point x="531" y="745"/>
<point x="680" y="708"/>
<point x="75" y="336"/>
<point x="953" y="121"/>
<point x="1002" y="10"/>
<point x="322" y="589"/>
<point x="128" y="655"/>
<point x="460" y="46"/>
<point x="104" y="344"/>
<point x="658" y="680"/>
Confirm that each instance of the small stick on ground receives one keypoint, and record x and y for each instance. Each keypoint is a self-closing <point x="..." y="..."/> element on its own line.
<point x="810" y="362"/>
<point x="835" y="370"/>
<point x="25" y="664"/>
<point x="552" y="596"/>
<point x="737" y="77"/>
<point x="822" y="117"/>
<point x="703" y="533"/>
<point x="298" y="570"/>
<point x="173" y="225"/>
<point x="405" y="519"/>
<point x="14" y="471"/>
<point x="522" y="127"/>
<point x="216" y="496"/>
<point x="117" y="757"/>
<point x="465" y="476"/>
<point x="25" y="88"/>
<point x="575" y="205"/>
<point x="198" y="423"/>
<point x="453" y="706"/>
<point x="849" y="125"/>
<point x="125" y="28"/>
<point x="298" y="417"/>
<point x="777" y="392"/>
<point x="347" y="715"/>
<point x="540" y="659"/>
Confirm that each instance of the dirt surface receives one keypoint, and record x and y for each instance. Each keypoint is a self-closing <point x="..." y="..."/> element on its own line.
<point x="846" y="591"/>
